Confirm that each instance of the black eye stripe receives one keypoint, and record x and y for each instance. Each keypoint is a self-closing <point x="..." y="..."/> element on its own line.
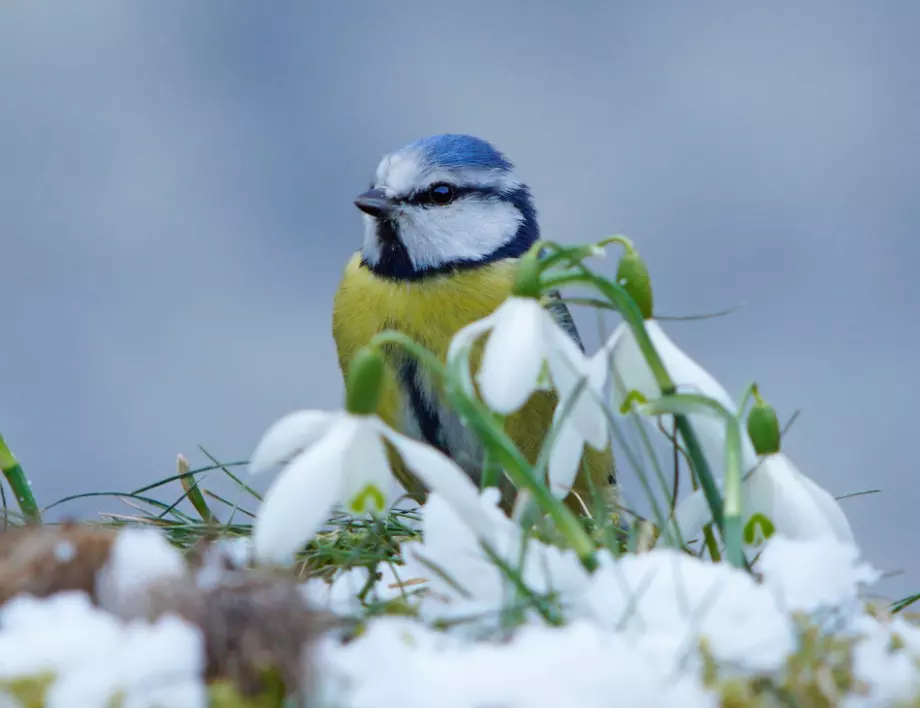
<point x="423" y="197"/>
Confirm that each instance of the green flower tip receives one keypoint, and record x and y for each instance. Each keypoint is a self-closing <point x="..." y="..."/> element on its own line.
<point x="365" y="380"/>
<point x="758" y="528"/>
<point x="632" y="397"/>
<point x="369" y="498"/>
<point x="763" y="426"/>
<point x="633" y="277"/>
<point x="527" y="276"/>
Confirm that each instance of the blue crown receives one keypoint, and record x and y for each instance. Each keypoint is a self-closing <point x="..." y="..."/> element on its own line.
<point x="451" y="150"/>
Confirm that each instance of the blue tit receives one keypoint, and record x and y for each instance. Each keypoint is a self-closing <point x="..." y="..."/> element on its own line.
<point x="445" y="220"/>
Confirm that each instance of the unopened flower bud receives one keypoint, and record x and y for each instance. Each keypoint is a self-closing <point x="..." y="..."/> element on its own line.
<point x="633" y="277"/>
<point x="365" y="380"/>
<point x="763" y="427"/>
<point x="527" y="276"/>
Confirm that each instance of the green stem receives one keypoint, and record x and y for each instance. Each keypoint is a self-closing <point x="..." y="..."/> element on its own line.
<point x="575" y="254"/>
<point x="701" y="468"/>
<point x="734" y="551"/>
<point x="491" y="474"/>
<point x="19" y="483"/>
<point x="688" y="402"/>
<point x="633" y="317"/>
<point x="749" y="392"/>
<point x="505" y="451"/>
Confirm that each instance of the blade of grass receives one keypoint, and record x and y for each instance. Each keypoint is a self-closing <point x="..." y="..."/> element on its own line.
<point x="190" y="473"/>
<point x="904" y="602"/>
<point x="19" y="484"/>
<point x="230" y="474"/>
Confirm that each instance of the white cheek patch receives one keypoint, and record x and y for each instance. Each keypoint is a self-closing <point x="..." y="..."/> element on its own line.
<point x="371" y="248"/>
<point x="468" y="229"/>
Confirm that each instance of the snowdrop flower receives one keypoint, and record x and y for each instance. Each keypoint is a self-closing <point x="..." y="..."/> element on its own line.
<point x="632" y="373"/>
<point x="797" y="507"/>
<point x="581" y="422"/>
<point x="524" y="335"/>
<point x="340" y="457"/>
<point x="524" y="338"/>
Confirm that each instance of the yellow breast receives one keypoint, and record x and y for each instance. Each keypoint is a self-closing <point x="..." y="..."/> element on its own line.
<point x="431" y="311"/>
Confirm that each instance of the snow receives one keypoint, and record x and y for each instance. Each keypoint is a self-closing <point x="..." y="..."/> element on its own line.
<point x="632" y="628"/>
<point x="577" y="665"/>
<point x="627" y="635"/>
<point x="64" y="551"/>
<point x="94" y="655"/>
<point x="139" y="559"/>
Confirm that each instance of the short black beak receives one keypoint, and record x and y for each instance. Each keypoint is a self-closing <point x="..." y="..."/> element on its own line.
<point x="376" y="203"/>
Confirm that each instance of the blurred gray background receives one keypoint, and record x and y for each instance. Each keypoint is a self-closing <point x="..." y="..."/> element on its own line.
<point x="176" y="182"/>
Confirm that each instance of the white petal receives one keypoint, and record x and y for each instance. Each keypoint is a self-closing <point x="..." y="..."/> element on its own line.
<point x="836" y="519"/>
<point x="796" y="505"/>
<point x="513" y="355"/>
<point x="564" y="459"/>
<point x="589" y="413"/>
<point x="684" y="371"/>
<point x="298" y="501"/>
<point x="632" y="373"/>
<point x="288" y="436"/>
<point x="441" y="475"/>
<point x="368" y="479"/>
<point x="460" y="345"/>
<point x="571" y="370"/>
<point x="465" y="337"/>
<point x="691" y="515"/>
<point x="629" y="370"/>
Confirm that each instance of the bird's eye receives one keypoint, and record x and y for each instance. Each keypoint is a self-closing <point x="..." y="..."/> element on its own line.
<point x="442" y="193"/>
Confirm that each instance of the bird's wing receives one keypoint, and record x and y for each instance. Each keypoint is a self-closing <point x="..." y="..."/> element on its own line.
<point x="563" y="317"/>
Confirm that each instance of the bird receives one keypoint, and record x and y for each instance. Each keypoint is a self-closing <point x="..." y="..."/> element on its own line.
<point x="445" y="221"/>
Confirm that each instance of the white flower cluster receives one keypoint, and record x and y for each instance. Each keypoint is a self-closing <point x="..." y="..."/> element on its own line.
<point x="339" y="457"/>
<point x="629" y="633"/>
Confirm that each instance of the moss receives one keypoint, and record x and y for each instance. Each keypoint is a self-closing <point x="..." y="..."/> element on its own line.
<point x="29" y="691"/>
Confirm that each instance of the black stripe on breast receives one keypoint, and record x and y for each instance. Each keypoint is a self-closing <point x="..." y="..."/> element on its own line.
<point x="427" y="417"/>
<point x="563" y="317"/>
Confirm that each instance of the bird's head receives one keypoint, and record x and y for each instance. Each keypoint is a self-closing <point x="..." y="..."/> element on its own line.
<point x="443" y="203"/>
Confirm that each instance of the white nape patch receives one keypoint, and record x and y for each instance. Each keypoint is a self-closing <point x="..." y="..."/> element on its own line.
<point x="468" y="229"/>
